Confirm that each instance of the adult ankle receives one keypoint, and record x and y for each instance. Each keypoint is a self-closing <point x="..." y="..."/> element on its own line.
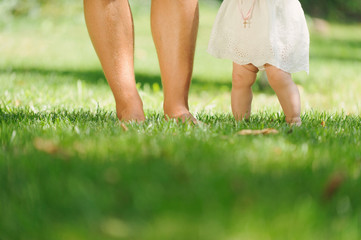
<point x="130" y="112"/>
<point x="175" y="111"/>
<point x="294" y="121"/>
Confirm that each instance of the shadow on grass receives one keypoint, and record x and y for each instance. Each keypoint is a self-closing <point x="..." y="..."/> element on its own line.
<point x="96" y="76"/>
<point x="72" y="116"/>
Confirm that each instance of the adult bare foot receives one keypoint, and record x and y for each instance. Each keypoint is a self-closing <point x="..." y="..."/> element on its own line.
<point x="132" y="112"/>
<point x="297" y="122"/>
<point x="184" y="118"/>
<point x="127" y="116"/>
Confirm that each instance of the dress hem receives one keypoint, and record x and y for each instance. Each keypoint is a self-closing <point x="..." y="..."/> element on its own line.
<point x="261" y="66"/>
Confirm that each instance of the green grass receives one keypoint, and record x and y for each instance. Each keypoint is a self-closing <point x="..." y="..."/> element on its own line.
<point x="69" y="170"/>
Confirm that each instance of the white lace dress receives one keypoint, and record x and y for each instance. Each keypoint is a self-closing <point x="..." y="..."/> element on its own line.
<point x="277" y="34"/>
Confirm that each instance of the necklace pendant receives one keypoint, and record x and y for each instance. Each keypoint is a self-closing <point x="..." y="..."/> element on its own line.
<point x="245" y="24"/>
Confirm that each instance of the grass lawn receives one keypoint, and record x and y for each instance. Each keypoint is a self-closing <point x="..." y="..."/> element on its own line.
<point x="69" y="170"/>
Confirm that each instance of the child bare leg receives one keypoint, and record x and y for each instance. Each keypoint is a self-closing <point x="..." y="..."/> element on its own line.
<point x="287" y="93"/>
<point x="243" y="78"/>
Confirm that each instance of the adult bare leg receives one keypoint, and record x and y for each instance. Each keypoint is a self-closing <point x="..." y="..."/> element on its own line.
<point x="111" y="30"/>
<point x="174" y="28"/>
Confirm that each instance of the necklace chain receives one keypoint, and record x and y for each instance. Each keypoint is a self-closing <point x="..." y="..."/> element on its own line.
<point x="246" y="19"/>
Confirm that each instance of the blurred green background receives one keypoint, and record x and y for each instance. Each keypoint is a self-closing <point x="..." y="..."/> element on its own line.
<point x="335" y="10"/>
<point x="69" y="171"/>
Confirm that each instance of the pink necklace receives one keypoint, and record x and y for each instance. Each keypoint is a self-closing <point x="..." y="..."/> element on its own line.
<point x="246" y="19"/>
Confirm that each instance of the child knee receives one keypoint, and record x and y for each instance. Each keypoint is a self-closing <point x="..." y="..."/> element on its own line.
<point x="240" y="80"/>
<point x="279" y="82"/>
<point x="277" y="77"/>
